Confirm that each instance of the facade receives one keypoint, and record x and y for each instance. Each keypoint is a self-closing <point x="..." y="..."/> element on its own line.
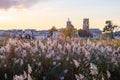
<point x="117" y="35"/>
<point x="96" y="33"/>
<point x="86" y="24"/>
<point x="29" y="31"/>
<point x="13" y="33"/>
<point x="2" y="32"/>
<point x="42" y="34"/>
<point x="56" y="34"/>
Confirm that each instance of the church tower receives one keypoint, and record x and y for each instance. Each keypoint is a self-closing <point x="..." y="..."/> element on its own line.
<point x="68" y="23"/>
<point x="86" y="24"/>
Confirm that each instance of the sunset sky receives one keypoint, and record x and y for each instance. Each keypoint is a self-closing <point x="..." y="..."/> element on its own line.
<point x="43" y="14"/>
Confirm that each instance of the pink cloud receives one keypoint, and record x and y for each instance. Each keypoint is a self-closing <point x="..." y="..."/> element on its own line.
<point x="6" y="4"/>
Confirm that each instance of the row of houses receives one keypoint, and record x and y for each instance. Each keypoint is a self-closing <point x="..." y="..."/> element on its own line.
<point x="34" y="34"/>
<point x="28" y="33"/>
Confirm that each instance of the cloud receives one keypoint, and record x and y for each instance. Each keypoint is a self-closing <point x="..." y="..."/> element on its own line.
<point x="6" y="4"/>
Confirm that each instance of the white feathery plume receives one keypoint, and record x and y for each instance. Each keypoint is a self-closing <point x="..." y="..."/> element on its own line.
<point x="108" y="74"/>
<point x="5" y="75"/>
<point x="25" y="75"/>
<point x="76" y="63"/>
<point x="29" y="77"/>
<point x="29" y="69"/>
<point x="93" y="69"/>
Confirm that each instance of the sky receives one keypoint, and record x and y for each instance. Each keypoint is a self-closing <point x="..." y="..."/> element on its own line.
<point x="43" y="14"/>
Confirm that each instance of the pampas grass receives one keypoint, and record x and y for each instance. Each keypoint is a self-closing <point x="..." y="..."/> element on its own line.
<point x="59" y="59"/>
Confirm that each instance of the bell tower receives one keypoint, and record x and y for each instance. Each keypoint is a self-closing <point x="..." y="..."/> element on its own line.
<point x="86" y="24"/>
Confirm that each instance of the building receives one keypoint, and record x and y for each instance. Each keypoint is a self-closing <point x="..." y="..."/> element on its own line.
<point x="56" y="34"/>
<point x="86" y="24"/>
<point x="42" y="34"/>
<point x="68" y="23"/>
<point x="2" y="33"/>
<point x="117" y="35"/>
<point x="28" y="31"/>
<point x="96" y="33"/>
<point x="13" y="33"/>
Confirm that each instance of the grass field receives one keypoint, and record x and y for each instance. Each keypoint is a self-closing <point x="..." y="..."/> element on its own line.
<point x="59" y="59"/>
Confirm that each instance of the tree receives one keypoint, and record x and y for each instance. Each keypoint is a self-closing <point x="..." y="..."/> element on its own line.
<point x="69" y="32"/>
<point x="52" y="30"/>
<point x="110" y="28"/>
<point x="84" y="33"/>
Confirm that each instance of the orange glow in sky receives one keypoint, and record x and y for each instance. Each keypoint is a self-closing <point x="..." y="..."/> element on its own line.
<point x="43" y="14"/>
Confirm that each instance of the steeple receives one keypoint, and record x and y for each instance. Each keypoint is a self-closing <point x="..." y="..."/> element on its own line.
<point x="68" y="19"/>
<point x="68" y="23"/>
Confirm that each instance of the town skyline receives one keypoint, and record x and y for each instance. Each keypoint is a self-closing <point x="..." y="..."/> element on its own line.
<point x="43" y="14"/>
